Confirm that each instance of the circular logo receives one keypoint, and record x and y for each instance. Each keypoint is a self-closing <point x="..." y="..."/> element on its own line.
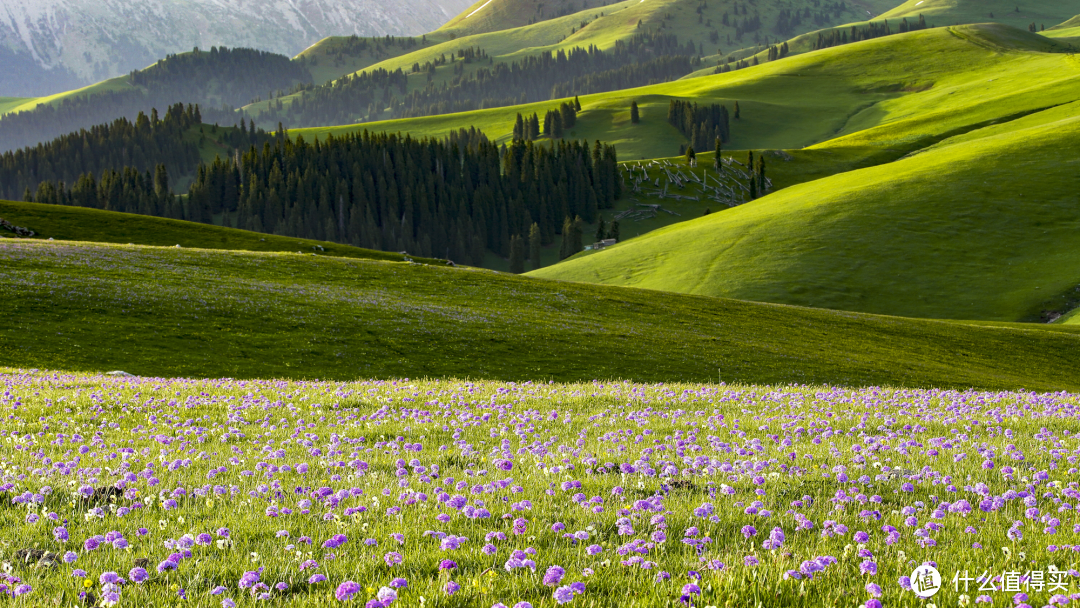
<point x="926" y="581"/>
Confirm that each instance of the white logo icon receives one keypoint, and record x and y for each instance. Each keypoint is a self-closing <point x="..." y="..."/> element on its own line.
<point x="926" y="581"/>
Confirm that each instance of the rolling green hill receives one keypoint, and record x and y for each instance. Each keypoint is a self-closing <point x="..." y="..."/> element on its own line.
<point x="1017" y="13"/>
<point x="1068" y="29"/>
<point x="951" y="78"/>
<point x="190" y="312"/>
<point x="8" y="104"/>
<point x="331" y="58"/>
<point x="80" y="224"/>
<point x="977" y="226"/>
<point x="710" y="27"/>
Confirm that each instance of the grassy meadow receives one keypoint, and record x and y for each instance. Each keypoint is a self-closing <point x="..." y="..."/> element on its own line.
<point x="243" y="493"/>
<point x="206" y="313"/>
<point x="956" y="231"/>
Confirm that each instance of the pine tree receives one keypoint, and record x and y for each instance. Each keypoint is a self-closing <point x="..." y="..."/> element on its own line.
<point x="761" y="174"/>
<point x="718" y="159"/>
<point x="601" y="230"/>
<point x="519" y="128"/>
<point x="635" y="117"/>
<point x="690" y="155"/>
<point x="567" y="228"/>
<point x="614" y="232"/>
<point x="517" y="255"/>
<point x="576" y="243"/>
<point x="577" y="104"/>
<point x="737" y="115"/>
<point x="534" y="245"/>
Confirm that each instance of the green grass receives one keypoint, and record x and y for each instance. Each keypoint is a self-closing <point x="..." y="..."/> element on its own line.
<point x="977" y="226"/>
<point x="714" y="459"/>
<point x="330" y="58"/>
<point x="8" y="104"/>
<point x="208" y="313"/>
<point x="951" y="78"/>
<point x="1017" y="13"/>
<point x="80" y="224"/>
<point x="499" y="31"/>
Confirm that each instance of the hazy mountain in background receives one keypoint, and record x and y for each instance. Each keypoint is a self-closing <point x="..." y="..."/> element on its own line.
<point x="47" y="46"/>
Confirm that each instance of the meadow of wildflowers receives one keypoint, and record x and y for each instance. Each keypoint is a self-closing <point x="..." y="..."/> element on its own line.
<point x="159" y="492"/>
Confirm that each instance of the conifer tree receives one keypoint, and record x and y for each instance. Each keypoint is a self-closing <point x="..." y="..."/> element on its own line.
<point x="690" y="155"/>
<point x="534" y="245"/>
<point x="577" y="104"/>
<point x="567" y="228"/>
<point x="517" y="255"/>
<point x="635" y="117"/>
<point x="718" y="159"/>
<point x="601" y="230"/>
<point x="614" y="232"/>
<point x="737" y="115"/>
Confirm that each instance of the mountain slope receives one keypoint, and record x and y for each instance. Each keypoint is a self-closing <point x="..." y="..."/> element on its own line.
<point x="1017" y="13"/>
<point x="948" y="80"/>
<point x="976" y="227"/>
<point x="55" y="44"/>
<point x="189" y="312"/>
<point x="700" y="29"/>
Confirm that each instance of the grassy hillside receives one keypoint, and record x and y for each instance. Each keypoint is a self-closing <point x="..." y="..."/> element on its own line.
<point x="165" y="311"/>
<point x="79" y="224"/>
<point x="949" y="80"/>
<point x="700" y="23"/>
<point x="7" y="104"/>
<point x="1017" y="13"/>
<point x="978" y="226"/>
<point x="333" y="57"/>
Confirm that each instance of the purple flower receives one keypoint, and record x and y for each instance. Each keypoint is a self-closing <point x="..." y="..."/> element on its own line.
<point x="346" y="591"/>
<point x="594" y="549"/>
<point x="750" y="560"/>
<point x="563" y="595"/>
<point x="748" y="531"/>
<point x="91" y="544"/>
<point x="60" y="533"/>
<point x="447" y="564"/>
<point x="316" y="578"/>
<point x="553" y="576"/>
<point x="399" y="583"/>
<point x="166" y="565"/>
<point x="70" y="557"/>
<point x="22" y="590"/>
<point x="868" y="567"/>
<point x="248" y="580"/>
<point x="691" y="589"/>
<point x="452" y="587"/>
<point x="392" y="558"/>
<point x="137" y="575"/>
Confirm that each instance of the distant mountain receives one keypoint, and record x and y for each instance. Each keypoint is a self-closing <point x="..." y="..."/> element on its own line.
<point x="47" y="46"/>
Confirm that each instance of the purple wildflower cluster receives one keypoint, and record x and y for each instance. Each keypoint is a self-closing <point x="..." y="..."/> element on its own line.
<point x="484" y="491"/>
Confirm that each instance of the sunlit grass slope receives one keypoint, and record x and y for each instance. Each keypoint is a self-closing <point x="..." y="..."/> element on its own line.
<point x="7" y="104"/>
<point x="928" y="83"/>
<point x="79" y="224"/>
<point x="186" y="312"/>
<point x="976" y="227"/>
<point x="333" y="57"/>
<point x="604" y="27"/>
<point x="1018" y="13"/>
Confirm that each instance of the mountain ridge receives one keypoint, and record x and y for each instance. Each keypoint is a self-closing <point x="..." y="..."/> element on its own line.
<point x="52" y="45"/>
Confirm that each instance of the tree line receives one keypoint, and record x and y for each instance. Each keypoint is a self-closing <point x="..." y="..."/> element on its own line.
<point x="457" y="197"/>
<point x="702" y="125"/>
<point x="839" y="37"/>
<point x="216" y="80"/>
<point x="646" y="57"/>
<point x="142" y="145"/>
